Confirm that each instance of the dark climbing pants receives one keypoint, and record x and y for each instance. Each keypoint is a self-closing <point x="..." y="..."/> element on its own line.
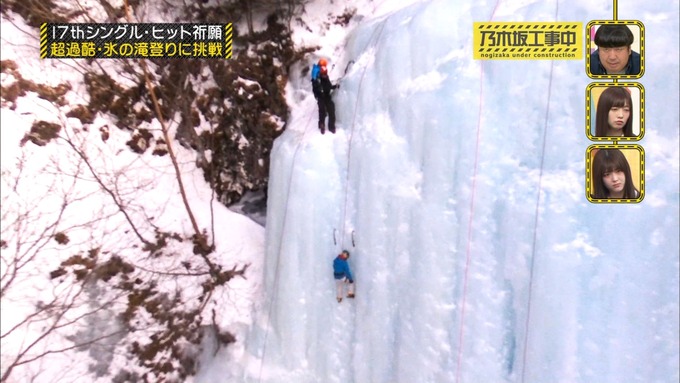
<point x="327" y="106"/>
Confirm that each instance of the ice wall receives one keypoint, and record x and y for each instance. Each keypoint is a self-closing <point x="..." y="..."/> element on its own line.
<point x="458" y="186"/>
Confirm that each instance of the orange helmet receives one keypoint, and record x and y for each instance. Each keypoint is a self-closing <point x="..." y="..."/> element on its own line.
<point x="323" y="62"/>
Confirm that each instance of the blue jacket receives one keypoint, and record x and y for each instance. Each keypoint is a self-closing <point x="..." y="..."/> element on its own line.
<point x="633" y="66"/>
<point x="341" y="269"/>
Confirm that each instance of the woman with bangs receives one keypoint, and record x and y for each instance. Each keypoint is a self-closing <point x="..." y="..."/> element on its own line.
<point x="614" y="116"/>
<point x="611" y="174"/>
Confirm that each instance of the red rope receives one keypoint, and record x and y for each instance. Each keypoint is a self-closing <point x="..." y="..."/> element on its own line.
<point x="472" y="213"/>
<point x="472" y="206"/>
<point x="469" y="235"/>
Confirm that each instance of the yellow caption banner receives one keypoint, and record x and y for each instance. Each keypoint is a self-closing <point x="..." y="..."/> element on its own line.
<point x="528" y="41"/>
<point x="135" y="40"/>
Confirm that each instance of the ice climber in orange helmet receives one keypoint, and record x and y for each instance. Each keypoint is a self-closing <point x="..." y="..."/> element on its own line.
<point x="322" y="89"/>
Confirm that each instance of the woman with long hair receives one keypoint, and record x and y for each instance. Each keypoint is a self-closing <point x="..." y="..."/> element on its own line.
<point x="614" y="117"/>
<point x="611" y="176"/>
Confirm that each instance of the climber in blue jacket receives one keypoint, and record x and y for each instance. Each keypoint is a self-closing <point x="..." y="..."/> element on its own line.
<point x="343" y="275"/>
